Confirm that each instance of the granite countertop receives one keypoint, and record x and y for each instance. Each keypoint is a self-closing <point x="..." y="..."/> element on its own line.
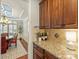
<point x="53" y="48"/>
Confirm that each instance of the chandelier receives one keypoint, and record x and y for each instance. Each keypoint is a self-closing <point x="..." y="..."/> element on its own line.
<point x="4" y="20"/>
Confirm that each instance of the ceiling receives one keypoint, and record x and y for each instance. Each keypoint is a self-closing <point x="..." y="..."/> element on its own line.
<point x="19" y="7"/>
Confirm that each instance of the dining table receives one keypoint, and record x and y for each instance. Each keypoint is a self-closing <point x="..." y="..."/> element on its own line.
<point x="9" y="37"/>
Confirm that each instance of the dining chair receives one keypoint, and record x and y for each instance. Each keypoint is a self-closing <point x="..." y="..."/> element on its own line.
<point x="4" y="44"/>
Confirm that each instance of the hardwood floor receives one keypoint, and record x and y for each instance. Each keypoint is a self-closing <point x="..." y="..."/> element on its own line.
<point x="14" y="52"/>
<point x="25" y="45"/>
<point x="23" y="57"/>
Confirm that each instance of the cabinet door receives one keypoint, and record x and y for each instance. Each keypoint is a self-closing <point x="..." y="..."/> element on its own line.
<point x="56" y="11"/>
<point x="44" y="15"/>
<point x="41" y="15"/>
<point x="70" y="12"/>
<point x="75" y="13"/>
<point x="36" y="56"/>
<point x="47" y="19"/>
<point x="37" y="52"/>
<point x="49" y="56"/>
<point x="61" y="14"/>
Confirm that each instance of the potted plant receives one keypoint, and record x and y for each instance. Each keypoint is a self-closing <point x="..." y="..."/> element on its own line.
<point x="20" y="31"/>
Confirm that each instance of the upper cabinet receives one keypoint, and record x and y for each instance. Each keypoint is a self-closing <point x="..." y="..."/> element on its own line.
<point x="41" y="17"/>
<point x="70" y="12"/>
<point x="44" y="14"/>
<point x="58" y="14"/>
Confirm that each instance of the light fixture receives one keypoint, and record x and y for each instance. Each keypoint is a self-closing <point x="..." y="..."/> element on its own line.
<point x="4" y="20"/>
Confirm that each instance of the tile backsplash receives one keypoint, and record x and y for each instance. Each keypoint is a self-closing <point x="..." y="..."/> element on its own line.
<point x="58" y="36"/>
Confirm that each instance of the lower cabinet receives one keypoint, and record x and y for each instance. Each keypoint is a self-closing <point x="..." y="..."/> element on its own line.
<point x="39" y="53"/>
<point x="49" y="56"/>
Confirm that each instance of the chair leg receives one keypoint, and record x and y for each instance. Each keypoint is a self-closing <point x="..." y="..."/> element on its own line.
<point x="3" y="51"/>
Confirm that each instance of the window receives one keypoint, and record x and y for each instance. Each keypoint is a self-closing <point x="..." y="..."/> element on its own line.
<point x="7" y="11"/>
<point x="5" y="28"/>
<point x="0" y="29"/>
<point x="12" y="28"/>
<point x="8" y="28"/>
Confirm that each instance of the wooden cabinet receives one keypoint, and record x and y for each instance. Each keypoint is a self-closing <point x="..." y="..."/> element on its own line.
<point x="39" y="53"/>
<point x="58" y="13"/>
<point x="49" y="56"/>
<point x="47" y="18"/>
<point x="41" y="9"/>
<point x="44" y="14"/>
<point x="70" y="12"/>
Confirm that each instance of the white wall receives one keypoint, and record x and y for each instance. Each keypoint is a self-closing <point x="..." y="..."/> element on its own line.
<point x="33" y="21"/>
<point x="25" y="29"/>
<point x="35" y="13"/>
<point x="24" y="23"/>
<point x="17" y="8"/>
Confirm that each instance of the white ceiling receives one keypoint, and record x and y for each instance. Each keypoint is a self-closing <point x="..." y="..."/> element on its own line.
<point x="19" y="7"/>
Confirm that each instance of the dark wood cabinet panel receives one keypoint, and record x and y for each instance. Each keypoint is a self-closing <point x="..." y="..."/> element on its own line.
<point x="75" y="12"/>
<point x="36" y="56"/>
<point x="39" y="53"/>
<point x="56" y="11"/>
<point x="41" y="21"/>
<point x="58" y="14"/>
<point x="67" y="12"/>
<point x="47" y="20"/>
<point x="49" y="56"/>
<point x="70" y="12"/>
<point x="61" y="14"/>
<point x="44" y="15"/>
